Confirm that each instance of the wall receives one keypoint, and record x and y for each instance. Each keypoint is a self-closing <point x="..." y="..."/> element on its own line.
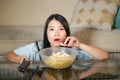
<point x="33" y="12"/>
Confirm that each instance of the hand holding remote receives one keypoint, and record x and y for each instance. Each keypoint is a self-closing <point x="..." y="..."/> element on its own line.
<point x="22" y="67"/>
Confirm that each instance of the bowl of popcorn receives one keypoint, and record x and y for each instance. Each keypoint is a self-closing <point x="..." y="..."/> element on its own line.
<point x="58" y="57"/>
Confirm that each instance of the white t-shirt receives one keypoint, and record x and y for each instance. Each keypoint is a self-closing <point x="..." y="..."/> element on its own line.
<point x="31" y="51"/>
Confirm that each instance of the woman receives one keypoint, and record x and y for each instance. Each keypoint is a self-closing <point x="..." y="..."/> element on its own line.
<point x="56" y="32"/>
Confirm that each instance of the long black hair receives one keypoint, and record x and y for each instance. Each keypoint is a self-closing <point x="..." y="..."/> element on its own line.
<point x="59" y="18"/>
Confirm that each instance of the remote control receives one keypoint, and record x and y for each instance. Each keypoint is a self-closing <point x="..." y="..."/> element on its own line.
<point x="22" y="67"/>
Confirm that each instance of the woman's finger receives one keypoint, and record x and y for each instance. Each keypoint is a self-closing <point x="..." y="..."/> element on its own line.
<point x="23" y="58"/>
<point x="71" y="42"/>
<point x="67" y="41"/>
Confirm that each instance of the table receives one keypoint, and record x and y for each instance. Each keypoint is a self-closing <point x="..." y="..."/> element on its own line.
<point x="85" y="70"/>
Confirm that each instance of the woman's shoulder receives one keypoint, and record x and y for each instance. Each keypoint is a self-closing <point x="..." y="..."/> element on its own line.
<point x="39" y="44"/>
<point x="39" y="41"/>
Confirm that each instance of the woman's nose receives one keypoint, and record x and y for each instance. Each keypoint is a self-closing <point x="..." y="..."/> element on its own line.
<point x="56" y="32"/>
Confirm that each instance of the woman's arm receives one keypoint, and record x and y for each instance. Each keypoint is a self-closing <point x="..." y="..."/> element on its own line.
<point x="12" y="57"/>
<point x="96" y="53"/>
<point x="19" y="54"/>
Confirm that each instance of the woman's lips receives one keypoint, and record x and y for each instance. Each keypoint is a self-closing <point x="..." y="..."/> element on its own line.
<point x="56" y="40"/>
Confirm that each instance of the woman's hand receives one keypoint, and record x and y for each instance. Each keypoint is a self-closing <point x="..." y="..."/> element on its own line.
<point x="71" y="42"/>
<point x="22" y="58"/>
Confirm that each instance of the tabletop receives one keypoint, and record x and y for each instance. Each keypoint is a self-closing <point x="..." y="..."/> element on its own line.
<point x="79" y="70"/>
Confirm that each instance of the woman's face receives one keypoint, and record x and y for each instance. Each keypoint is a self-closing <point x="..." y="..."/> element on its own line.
<point x="56" y="33"/>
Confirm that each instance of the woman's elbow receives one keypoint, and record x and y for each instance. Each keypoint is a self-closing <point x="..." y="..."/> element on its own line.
<point x="8" y="55"/>
<point x="105" y="56"/>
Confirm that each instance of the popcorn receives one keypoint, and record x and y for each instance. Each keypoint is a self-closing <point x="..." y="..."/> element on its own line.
<point x="59" y="60"/>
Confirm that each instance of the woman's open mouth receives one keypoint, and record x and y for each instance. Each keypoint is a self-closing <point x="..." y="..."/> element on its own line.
<point x="56" y="40"/>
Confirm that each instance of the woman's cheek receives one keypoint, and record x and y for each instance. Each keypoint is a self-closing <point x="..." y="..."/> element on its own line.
<point x="63" y="36"/>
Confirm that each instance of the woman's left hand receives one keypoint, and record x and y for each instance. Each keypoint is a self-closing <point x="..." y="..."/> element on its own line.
<point x="71" y="41"/>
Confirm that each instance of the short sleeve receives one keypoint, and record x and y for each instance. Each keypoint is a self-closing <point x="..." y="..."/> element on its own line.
<point x="29" y="50"/>
<point x="83" y="56"/>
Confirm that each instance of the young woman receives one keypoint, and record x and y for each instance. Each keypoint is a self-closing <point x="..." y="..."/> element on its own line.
<point x="56" y="32"/>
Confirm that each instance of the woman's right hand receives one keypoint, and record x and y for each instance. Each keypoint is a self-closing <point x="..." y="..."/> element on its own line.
<point x="23" y="58"/>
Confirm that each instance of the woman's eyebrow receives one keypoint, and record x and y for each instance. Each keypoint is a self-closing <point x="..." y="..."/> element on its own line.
<point x="60" y="26"/>
<point x="51" y="26"/>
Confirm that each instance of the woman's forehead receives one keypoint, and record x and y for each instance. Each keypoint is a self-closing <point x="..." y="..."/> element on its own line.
<point x="55" y="27"/>
<point x="54" y="23"/>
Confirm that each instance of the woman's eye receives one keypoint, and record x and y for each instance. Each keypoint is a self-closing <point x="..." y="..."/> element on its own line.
<point x="51" y="29"/>
<point x="62" y="29"/>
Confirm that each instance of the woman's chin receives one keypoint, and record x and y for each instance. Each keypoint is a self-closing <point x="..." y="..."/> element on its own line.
<point x="57" y="45"/>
